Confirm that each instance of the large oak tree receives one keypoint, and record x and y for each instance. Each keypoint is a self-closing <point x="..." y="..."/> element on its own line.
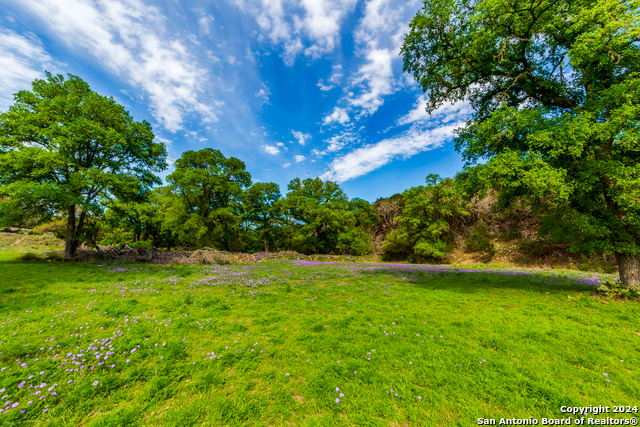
<point x="555" y="86"/>
<point x="65" y="149"/>
<point x="208" y="189"/>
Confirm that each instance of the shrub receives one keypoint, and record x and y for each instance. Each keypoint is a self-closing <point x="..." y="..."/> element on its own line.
<point x="140" y="244"/>
<point x="116" y="237"/>
<point x="480" y="241"/>
<point x="509" y="235"/>
<point x="53" y="256"/>
<point x="30" y="256"/>
<point x="533" y="247"/>
<point x="613" y="289"/>
<point x="56" y="227"/>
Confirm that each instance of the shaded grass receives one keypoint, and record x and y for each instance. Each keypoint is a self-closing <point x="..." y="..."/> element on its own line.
<point x="544" y="342"/>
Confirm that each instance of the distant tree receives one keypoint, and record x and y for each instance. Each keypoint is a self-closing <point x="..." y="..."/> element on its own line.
<point x="209" y="189"/>
<point x="425" y="223"/>
<point x="317" y="207"/>
<point x="555" y="85"/>
<point x="263" y="210"/>
<point x="66" y="149"/>
<point x="325" y="220"/>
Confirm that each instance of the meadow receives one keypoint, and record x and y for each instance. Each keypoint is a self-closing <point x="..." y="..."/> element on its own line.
<point x="306" y="343"/>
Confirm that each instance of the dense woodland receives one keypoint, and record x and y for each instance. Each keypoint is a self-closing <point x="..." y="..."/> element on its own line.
<point x="555" y="136"/>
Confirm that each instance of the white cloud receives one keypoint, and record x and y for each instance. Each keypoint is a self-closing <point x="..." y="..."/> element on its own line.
<point x="336" y="74"/>
<point x="371" y="157"/>
<point x="129" y="38"/>
<point x="280" y="144"/>
<point x="321" y="23"/>
<point x="271" y="149"/>
<point x="377" y="78"/>
<point x="338" y="115"/>
<point x="24" y="59"/>
<point x="301" y="137"/>
<point x="263" y="94"/>
<point x="378" y="37"/>
<point x="309" y="26"/>
<point x="446" y="113"/>
<point x="337" y="142"/>
<point x="324" y="88"/>
<point x="286" y="165"/>
<point x="299" y="158"/>
<point x="204" y="24"/>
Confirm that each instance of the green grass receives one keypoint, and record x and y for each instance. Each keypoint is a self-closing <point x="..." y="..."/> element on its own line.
<point x="544" y="342"/>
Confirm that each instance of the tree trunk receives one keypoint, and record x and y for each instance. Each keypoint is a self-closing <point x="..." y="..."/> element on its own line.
<point x="266" y="243"/>
<point x="629" y="268"/>
<point x="69" y="240"/>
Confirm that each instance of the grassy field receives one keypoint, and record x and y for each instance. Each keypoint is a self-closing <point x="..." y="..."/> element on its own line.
<point x="303" y="343"/>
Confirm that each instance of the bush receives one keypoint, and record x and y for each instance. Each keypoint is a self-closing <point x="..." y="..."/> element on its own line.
<point x="53" y="256"/>
<point x="480" y="241"/>
<point x="509" y="235"/>
<point x="613" y="289"/>
<point x="29" y="256"/>
<point x="533" y="247"/>
<point x="116" y="237"/>
<point x="56" y="227"/>
<point x="140" y="244"/>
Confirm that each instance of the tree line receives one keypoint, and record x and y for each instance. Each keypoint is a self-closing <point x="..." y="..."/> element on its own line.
<point x="555" y="90"/>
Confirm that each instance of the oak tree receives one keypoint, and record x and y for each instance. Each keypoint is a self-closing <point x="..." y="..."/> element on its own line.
<point x="65" y="149"/>
<point x="555" y="88"/>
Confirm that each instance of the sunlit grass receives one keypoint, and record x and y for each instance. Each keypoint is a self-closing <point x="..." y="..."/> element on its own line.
<point x="271" y="343"/>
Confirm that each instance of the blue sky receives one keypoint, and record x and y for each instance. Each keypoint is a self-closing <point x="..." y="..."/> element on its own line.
<point x="293" y="88"/>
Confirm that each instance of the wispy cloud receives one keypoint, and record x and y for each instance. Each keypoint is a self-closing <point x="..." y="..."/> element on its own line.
<point x="379" y="35"/>
<point x="271" y="149"/>
<point x="376" y="79"/>
<point x="338" y="115"/>
<point x="324" y="87"/>
<point x="368" y="158"/>
<point x="264" y="94"/>
<point x="24" y="59"/>
<point x="204" y="24"/>
<point x="311" y="27"/>
<point x="129" y="38"/>
<point x="300" y="158"/>
<point x="301" y="137"/>
<point x="446" y="113"/>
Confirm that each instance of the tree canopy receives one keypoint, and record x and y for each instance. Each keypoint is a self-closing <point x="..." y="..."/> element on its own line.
<point x="555" y="86"/>
<point x="65" y="149"/>
<point x="209" y="187"/>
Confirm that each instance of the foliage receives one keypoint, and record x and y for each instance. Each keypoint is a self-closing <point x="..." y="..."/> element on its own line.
<point x="57" y="227"/>
<point x="509" y="235"/>
<point x="425" y="223"/>
<point x="140" y="244"/>
<point x="64" y="149"/>
<point x="613" y="289"/>
<point x="117" y="237"/>
<point x="208" y="191"/>
<point x="322" y="220"/>
<point x="480" y="241"/>
<point x="555" y="86"/>
<point x="262" y="208"/>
